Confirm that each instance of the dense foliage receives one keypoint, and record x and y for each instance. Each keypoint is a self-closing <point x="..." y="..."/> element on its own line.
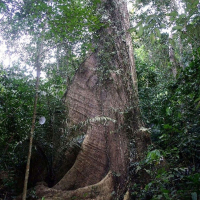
<point x="169" y="102"/>
<point x="170" y="109"/>
<point x="165" y="36"/>
<point x="17" y="95"/>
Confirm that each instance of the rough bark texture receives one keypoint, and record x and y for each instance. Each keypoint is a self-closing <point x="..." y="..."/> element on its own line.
<point x="102" y="94"/>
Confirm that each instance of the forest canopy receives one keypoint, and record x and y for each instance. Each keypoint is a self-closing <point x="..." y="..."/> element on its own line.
<point x="55" y="37"/>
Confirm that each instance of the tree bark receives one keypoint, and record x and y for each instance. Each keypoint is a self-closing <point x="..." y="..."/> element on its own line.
<point x="172" y="57"/>
<point x="103" y="100"/>
<point x="37" y="66"/>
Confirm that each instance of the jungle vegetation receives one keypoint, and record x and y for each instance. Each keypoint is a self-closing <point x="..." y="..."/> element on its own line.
<point x="54" y="37"/>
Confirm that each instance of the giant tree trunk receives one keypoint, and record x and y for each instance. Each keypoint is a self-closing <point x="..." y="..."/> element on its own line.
<point x="103" y="99"/>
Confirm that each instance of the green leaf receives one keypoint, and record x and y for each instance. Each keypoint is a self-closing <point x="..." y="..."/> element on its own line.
<point x="132" y="30"/>
<point x="198" y="106"/>
<point x="173" y="13"/>
<point x="163" y="26"/>
<point x="167" y="126"/>
<point x="148" y="186"/>
<point x="165" y="191"/>
<point x="138" y="1"/>
<point x="182" y="16"/>
<point x="141" y="30"/>
<point x="177" y="28"/>
<point x="194" y="4"/>
<point x="152" y="38"/>
<point x="157" y="32"/>
<point x="179" y="115"/>
<point x="168" y="111"/>
<point x="198" y="99"/>
<point x="153" y="156"/>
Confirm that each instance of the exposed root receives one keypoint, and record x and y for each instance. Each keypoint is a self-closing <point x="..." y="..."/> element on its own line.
<point x="99" y="191"/>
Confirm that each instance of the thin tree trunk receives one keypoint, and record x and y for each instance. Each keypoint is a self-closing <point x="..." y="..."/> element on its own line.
<point x="174" y="6"/>
<point x="181" y="53"/>
<point x="172" y="57"/>
<point x="37" y="65"/>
